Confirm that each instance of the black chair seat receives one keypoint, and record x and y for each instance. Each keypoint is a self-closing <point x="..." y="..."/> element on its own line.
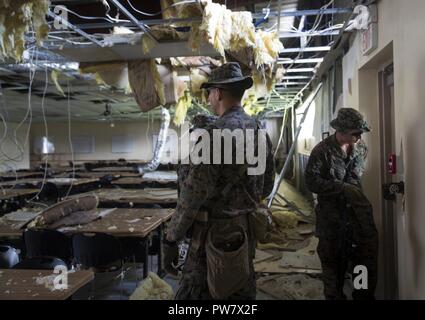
<point x="8" y="257"/>
<point x="40" y="263"/>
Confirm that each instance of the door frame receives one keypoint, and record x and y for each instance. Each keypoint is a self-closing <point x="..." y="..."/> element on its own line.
<point x="388" y="213"/>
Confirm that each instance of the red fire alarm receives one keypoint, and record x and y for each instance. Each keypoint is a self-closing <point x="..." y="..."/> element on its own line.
<point x="392" y="164"/>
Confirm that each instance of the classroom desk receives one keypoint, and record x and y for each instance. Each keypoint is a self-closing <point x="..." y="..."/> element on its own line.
<point x="7" y="194"/>
<point x="60" y="182"/>
<point x="114" y="169"/>
<point x="21" y="284"/>
<point x="143" y="221"/>
<point x="6" y="176"/>
<point x="111" y="197"/>
<point x="161" y="178"/>
<point x="13" y="199"/>
<point x="119" y="222"/>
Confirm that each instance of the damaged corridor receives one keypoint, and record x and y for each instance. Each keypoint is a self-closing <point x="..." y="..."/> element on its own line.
<point x="98" y="97"/>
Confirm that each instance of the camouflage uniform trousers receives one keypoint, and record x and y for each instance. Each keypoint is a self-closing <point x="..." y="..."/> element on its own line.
<point x="354" y="242"/>
<point x="193" y="284"/>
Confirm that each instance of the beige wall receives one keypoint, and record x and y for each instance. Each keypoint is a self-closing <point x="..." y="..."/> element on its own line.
<point x="103" y="133"/>
<point x="14" y="154"/>
<point x="401" y="26"/>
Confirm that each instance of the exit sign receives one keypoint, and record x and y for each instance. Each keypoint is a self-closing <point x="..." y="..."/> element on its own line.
<point x="369" y="36"/>
<point x="369" y="39"/>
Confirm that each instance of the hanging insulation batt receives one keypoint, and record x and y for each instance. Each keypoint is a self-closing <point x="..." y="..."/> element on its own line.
<point x="154" y="84"/>
<point x="16" y="18"/>
<point x="182" y="106"/>
<point x="160" y="33"/>
<point x="183" y="11"/>
<point x="267" y="48"/>
<point x="114" y="74"/>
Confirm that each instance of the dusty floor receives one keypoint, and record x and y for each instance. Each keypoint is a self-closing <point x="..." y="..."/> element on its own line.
<point x="288" y="268"/>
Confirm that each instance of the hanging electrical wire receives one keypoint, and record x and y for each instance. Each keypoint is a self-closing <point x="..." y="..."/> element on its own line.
<point x="163" y="10"/>
<point x="106" y="18"/>
<point x="70" y="142"/>
<point x="46" y="132"/>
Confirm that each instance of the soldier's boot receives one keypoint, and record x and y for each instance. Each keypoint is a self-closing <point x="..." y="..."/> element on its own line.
<point x="333" y="270"/>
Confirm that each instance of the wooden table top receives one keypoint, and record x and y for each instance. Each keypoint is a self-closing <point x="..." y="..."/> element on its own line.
<point x="59" y="181"/>
<point x="144" y="179"/>
<point x="99" y="174"/>
<point x="114" y="169"/>
<point x="21" y="284"/>
<point x="142" y="220"/>
<point x="6" y="194"/>
<point x="23" y="174"/>
<point x="136" y="196"/>
<point x="125" y="222"/>
<point x="160" y="176"/>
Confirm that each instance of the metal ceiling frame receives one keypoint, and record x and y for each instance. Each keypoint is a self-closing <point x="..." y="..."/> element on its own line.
<point x="286" y="89"/>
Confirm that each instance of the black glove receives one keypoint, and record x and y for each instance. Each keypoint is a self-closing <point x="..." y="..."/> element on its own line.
<point x="170" y="257"/>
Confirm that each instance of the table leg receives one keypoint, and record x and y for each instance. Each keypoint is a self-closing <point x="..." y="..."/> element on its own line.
<point x="160" y="271"/>
<point x="146" y="257"/>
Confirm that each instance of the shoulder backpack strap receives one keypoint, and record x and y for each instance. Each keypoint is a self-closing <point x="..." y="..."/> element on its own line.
<point x="240" y="174"/>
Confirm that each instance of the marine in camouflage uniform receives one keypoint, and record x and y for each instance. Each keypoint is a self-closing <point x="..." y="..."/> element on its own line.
<point x="202" y="204"/>
<point x="345" y="226"/>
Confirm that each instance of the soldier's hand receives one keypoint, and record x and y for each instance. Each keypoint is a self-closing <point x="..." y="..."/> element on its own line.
<point x="170" y="257"/>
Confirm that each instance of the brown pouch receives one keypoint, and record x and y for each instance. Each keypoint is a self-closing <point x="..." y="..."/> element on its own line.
<point x="261" y="222"/>
<point x="227" y="261"/>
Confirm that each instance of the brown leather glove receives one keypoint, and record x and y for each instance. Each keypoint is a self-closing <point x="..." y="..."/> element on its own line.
<point x="170" y="257"/>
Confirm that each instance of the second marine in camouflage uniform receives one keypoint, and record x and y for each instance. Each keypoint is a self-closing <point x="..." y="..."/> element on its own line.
<point x="345" y="227"/>
<point x="202" y="206"/>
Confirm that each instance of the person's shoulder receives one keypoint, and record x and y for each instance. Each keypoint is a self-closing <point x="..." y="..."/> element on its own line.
<point x="321" y="147"/>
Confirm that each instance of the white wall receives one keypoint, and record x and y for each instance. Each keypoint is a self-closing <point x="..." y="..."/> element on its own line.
<point x="401" y="39"/>
<point x="103" y="133"/>
<point x="14" y="153"/>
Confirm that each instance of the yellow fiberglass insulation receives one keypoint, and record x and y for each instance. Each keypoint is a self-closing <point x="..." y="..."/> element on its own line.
<point x="197" y="78"/>
<point x="160" y="32"/>
<point x="244" y="35"/>
<point x="216" y="26"/>
<point x="182" y="11"/>
<point x="251" y="106"/>
<point x="17" y="17"/>
<point x="114" y="74"/>
<point x="285" y="219"/>
<point x="54" y="76"/>
<point x="182" y="106"/>
<point x="267" y="48"/>
<point x="153" y="288"/>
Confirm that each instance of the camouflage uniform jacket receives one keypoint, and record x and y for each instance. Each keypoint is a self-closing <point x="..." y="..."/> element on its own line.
<point x="201" y="189"/>
<point x="328" y="169"/>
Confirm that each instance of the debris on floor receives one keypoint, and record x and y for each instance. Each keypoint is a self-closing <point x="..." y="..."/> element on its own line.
<point x="291" y="287"/>
<point x="153" y="288"/>
<point x="305" y="258"/>
<point x="288" y="266"/>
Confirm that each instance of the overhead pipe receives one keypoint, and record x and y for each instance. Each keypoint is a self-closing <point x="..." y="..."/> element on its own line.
<point x="160" y="144"/>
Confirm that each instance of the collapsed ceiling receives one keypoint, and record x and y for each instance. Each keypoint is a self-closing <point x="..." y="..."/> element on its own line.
<point x="49" y="80"/>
